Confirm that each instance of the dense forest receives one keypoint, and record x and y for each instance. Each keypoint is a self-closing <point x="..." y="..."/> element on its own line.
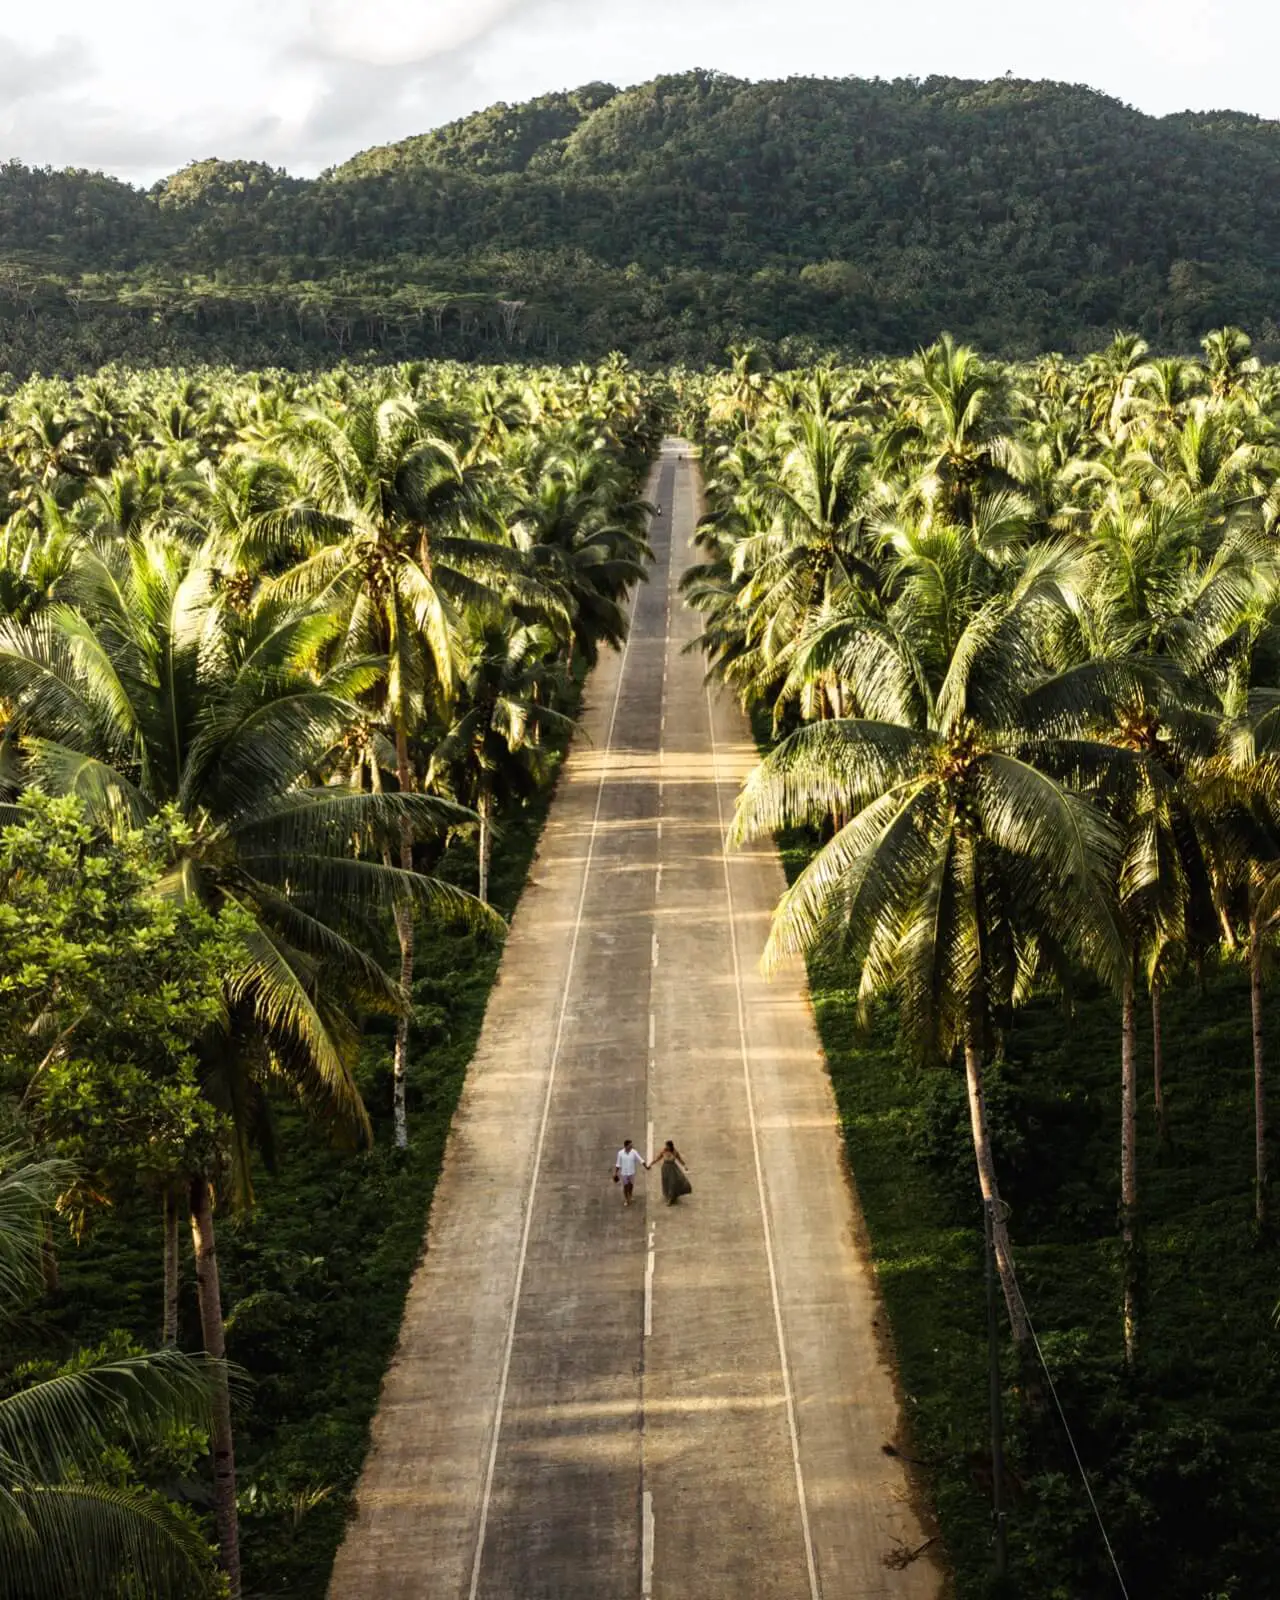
<point x="287" y="665"/>
<point x="669" y="221"/>
<point x="286" y="670"/>
<point x="295" y="611"/>
<point x="1011" y="638"/>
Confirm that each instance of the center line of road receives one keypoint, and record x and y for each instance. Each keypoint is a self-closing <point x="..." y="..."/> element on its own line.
<point x="605" y="764"/>
<point x="651" y="1030"/>
<point x="648" y="1290"/>
<point x="647" y="1541"/>
<point x="655" y="949"/>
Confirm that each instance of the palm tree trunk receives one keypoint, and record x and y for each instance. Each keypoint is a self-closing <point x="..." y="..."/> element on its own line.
<point x="49" y="1260"/>
<point x="1157" y="1063"/>
<point x="211" y="1325"/>
<point x="404" y="931"/>
<point x="486" y="841"/>
<point x="400" y="1068"/>
<point x="169" y="1335"/>
<point x="1129" y="1164"/>
<point x="1260" y="1178"/>
<point x="990" y="1188"/>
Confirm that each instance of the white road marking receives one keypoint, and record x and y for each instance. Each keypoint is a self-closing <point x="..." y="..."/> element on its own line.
<point x="648" y="1294"/>
<point x="658" y="886"/>
<point x="814" y="1591"/>
<point x="652" y="1027"/>
<point x="646" y="1547"/>
<point x="648" y="1155"/>
<point x="655" y="949"/>
<point x="487" y="1497"/>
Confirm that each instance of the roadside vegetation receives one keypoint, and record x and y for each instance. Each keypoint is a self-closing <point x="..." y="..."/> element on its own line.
<point x="1009" y="635"/>
<point x="287" y="667"/>
<point x="286" y="670"/>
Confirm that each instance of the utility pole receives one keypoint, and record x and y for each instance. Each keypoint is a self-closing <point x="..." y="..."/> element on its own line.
<point x="993" y="1375"/>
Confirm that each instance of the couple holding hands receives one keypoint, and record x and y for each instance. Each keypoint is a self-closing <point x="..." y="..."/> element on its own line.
<point x="675" y="1182"/>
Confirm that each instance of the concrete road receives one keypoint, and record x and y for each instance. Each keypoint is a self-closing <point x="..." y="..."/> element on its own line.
<point x="588" y="1401"/>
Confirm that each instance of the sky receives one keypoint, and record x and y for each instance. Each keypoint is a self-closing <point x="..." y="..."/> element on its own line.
<point x="139" y="88"/>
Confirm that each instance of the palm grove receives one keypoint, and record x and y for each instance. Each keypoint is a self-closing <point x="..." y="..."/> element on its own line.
<point x="284" y="660"/>
<point x="1012" y="635"/>
<point x="271" y="651"/>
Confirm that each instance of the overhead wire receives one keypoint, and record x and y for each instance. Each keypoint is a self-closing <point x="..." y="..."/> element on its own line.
<point x="1066" y="1428"/>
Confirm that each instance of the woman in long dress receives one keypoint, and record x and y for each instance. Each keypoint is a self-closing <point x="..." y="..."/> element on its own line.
<point x="675" y="1181"/>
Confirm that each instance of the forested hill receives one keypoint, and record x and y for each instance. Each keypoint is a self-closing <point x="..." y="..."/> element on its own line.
<point x="670" y="220"/>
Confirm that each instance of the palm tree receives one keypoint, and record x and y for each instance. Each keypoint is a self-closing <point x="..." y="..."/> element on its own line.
<point x="1249" y="877"/>
<point x="813" y="542"/>
<point x="1161" y="392"/>
<point x="492" y="753"/>
<point x="1229" y="357"/>
<point x="746" y="386"/>
<point x="968" y="863"/>
<point x="387" y="511"/>
<point x="1156" y="604"/>
<point x="1109" y="379"/>
<point x="583" y="538"/>
<point x="36" y="552"/>
<point x="67" y="1530"/>
<point x="957" y="426"/>
<point x="151" y="691"/>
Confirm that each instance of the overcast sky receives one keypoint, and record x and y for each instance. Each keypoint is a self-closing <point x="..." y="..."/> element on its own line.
<point x="140" y="87"/>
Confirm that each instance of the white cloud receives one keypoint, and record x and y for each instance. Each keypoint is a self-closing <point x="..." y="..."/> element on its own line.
<point x="142" y="86"/>
<point x="391" y="32"/>
<point x="24" y="70"/>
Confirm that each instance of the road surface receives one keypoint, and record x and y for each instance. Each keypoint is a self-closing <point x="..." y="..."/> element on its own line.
<point x="590" y="1402"/>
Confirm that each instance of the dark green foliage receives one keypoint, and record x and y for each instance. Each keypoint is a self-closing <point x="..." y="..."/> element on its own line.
<point x="1183" y="1454"/>
<point x="314" y="1277"/>
<point x="107" y="988"/>
<point x="669" y="220"/>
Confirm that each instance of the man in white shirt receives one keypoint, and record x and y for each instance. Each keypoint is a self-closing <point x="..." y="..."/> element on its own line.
<point x="624" y="1169"/>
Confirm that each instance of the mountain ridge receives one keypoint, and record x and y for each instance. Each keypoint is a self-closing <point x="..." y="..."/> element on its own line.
<point x="670" y="219"/>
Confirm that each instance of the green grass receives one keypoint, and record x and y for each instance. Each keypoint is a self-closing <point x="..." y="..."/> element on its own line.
<point x="1184" y="1453"/>
<point x="314" y="1278"/>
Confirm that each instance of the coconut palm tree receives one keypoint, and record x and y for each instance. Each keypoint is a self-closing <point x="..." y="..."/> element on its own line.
<point x="1246" y="787"/>
<point x="67" y="1530"/>
<point x="492" y="756"/>
<point x="388" y="515"/>
<point x="150" y="690"/>
<point x="968" y="863"/>
<point x="746" y="386"/>
<point x="1156" y="606"/>
<point x="1229" y="357"/>
<point x="1109" y="379"/>
<point x="147" y="688"/>
<point x="815" y="539"/>
<point x="956" y="426"/>
<point x="583" y="539"/>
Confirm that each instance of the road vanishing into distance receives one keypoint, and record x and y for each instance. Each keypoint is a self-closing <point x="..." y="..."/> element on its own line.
<point x="590" y="1402"/>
